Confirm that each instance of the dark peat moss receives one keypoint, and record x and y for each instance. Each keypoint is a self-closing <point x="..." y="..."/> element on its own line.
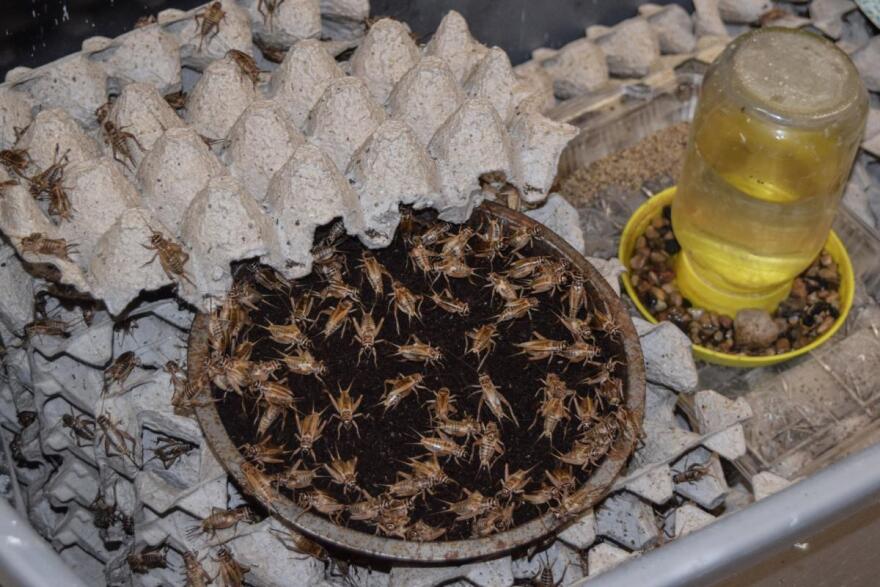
<point x="387" y="441"/>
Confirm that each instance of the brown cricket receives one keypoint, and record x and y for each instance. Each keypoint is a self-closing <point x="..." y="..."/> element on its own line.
<point x="399" y="388"/>
<point x="474" y="504"/>
<point x="169" y="450"/>
<point x="443" y="404"/>
<point x="418" y="351"/>
<point x="194" y="572"/>
<point x="220" y="519"/>
<point x="117" y="439"/>
<point x="443" y="446"/>
<point x="263" y="453"/>
<point x="258" y="483"/>
<point x="296" y="542"/>
<point x="210" y="18"/>
<point x="343" y="472"/>
<point x="117" y="139"/>
<point x="40" y="244"/>
<point x="81" y="428"/>
<point x="492" y="398"/>
<point x="488" y="445"/>
<point x="337" y="317"/>
<point x="374" y="271"/>
<point x="309" y="431"/>
<point x="150" y="558"/>
<point x="346" y="410"/>
<point x="502" y="287"/>
<point x="246" y="65"/>
<point x="15" y="160"/>
<point x="420" y="256"/>
<point x="405" y="301"/>
<point x="449" y="303"/>
<point x="171" y="255"/>
<point x="367" y="333"/>
<point x="120" y="369"/>
<point x="304" y="363"/>
<point x="231" y="571"/>
<point x="297" y="478"/>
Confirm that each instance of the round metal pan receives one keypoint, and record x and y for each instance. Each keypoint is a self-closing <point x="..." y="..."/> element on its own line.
<point x="323" y="530"/>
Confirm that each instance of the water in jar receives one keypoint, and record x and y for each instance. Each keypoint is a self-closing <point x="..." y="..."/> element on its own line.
<point x="777" y="127"/>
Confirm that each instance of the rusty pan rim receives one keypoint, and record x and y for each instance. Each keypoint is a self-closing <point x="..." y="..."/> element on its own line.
<point x="321" y="529"/>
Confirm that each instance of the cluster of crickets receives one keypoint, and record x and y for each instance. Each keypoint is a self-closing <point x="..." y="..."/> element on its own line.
<point x="368" y="361"/>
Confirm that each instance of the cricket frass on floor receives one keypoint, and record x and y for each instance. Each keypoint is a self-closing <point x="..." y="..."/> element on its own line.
<point x="386" y="441"/>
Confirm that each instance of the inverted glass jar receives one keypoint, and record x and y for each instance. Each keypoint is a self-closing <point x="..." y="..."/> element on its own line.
<point x="778" y="124"/>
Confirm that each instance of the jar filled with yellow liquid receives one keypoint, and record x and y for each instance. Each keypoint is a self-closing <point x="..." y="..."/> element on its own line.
<point x="778" y="123"/>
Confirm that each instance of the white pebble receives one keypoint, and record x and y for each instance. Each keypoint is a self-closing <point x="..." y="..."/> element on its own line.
<point x="668" y="358"/>
<point x="674" y="28"/>
<point x="743" y="11"/>
<point x="707" y="19"/>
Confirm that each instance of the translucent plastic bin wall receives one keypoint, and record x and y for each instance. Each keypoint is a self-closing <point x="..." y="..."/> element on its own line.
<point x="620" y="119"/>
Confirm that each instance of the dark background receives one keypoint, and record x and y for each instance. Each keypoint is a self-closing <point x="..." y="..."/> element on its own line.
<point x="34" y="32"/>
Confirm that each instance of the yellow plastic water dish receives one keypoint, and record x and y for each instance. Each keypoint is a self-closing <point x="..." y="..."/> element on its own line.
<point x="651" y="209"/>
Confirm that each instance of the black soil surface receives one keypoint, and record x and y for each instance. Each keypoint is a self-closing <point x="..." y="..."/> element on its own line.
<point x="387" y="441"/>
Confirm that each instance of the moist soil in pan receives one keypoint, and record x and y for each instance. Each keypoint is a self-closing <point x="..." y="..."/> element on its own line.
<point x="387" y="440"/>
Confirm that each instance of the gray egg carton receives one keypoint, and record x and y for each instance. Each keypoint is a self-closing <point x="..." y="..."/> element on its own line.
<point x="308" y="144"/>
